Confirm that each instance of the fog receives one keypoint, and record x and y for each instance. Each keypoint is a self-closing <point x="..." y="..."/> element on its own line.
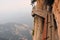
<point x="18" y="11"/>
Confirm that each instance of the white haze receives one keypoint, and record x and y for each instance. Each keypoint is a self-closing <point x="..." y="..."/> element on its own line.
<point x="18" y="11"/>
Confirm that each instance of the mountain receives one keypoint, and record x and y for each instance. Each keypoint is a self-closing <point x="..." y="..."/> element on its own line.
<point x="15" y="31"/>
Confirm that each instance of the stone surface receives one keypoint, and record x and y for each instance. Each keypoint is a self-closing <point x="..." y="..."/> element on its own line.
<point x="38" y="20"/>
<point x="56" y="11"/>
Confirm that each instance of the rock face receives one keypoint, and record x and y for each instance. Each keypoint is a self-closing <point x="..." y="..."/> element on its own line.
<point x="45" y="27"/>
<point x="56" y="11"/>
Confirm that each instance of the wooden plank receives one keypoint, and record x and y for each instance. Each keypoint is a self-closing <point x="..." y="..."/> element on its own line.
<point x="44" y="34"/>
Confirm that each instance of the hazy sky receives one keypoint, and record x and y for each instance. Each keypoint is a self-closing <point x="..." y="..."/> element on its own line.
<point x="15" y="11"/>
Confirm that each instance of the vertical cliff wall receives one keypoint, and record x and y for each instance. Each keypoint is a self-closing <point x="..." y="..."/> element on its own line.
<point x="56" y="11"/>
<point x="44" y="27"/>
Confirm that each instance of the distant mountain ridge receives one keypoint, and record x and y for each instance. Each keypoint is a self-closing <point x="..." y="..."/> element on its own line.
<point x="15" y="31"/>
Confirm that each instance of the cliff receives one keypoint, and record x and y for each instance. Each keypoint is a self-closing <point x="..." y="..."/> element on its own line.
<point x="43" y="6"/>
<point x="56" y="11"/>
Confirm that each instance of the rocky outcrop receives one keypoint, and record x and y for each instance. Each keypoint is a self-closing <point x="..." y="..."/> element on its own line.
<point x="49" y="29"/>
<point x="56" y="11"/>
